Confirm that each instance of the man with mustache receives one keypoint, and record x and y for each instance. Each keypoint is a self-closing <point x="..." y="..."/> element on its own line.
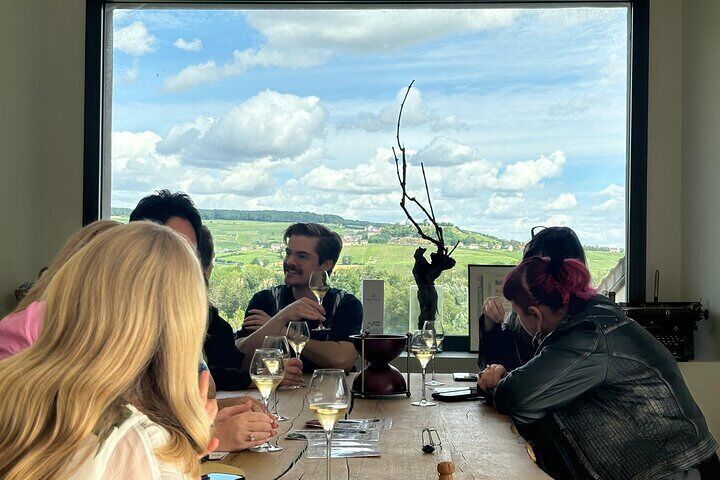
<point x="309" y="247"/>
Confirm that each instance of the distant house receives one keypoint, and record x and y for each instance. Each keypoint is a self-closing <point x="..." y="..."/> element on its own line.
<point x="473" y="246"/>
<point x="276" y="246"/>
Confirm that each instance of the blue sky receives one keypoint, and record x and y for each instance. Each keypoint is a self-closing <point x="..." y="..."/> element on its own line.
<point x="519" y="115"/>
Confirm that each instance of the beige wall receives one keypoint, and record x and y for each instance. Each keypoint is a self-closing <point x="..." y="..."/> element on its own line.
<point x="41" y="93"/>
<point x="701" y="163"/>
<point x="664" y="149"/>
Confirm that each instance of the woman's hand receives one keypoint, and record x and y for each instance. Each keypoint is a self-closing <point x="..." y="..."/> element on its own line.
<point x="490" y="377"/>
<point x="494" y="312"/>
<point x="293" y="372"/>
<point x="211" y="408"/>
<point x="239" y="427"/>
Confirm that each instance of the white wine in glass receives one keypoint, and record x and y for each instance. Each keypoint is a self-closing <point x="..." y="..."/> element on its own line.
<point x="280" y="342"/>
<point x="422" y="345"/>
<point x="319" y="284"/>
<point x="297" y="334"/>
<point x="328" y="398"/>
<point x="267" y="371"/>
<point x="436" y="327"/>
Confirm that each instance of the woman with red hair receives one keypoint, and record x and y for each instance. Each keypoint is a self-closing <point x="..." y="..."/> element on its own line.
<point x="614" y="391"/>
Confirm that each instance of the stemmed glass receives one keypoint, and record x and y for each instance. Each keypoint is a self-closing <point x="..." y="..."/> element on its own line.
<point x="267" y="371"/>
<point x="328" y="398"/>
<point x="319" y="284"/>
<point x="423" y="346"/>
<point x="298" y="334"/>
<point x="280" y="343"/>
<point x="436" y="327"/>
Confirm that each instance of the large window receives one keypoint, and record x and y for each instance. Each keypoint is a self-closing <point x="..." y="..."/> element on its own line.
<point x="267" y="116"/>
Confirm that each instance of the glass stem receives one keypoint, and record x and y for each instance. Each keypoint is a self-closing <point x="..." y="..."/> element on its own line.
<point x="422" y="400"/>
<point x="329" y="442"/>
<point x="433" y="370"/>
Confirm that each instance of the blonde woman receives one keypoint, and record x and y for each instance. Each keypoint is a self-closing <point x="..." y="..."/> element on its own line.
<point x="110" y="387"/>
<point x="20" y="329"/>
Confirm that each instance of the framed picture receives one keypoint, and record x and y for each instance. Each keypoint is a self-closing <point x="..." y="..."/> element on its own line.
<point x="483" y="281"/>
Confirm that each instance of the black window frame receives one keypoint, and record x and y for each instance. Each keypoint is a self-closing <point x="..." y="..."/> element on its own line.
<point x="636" y="184"/>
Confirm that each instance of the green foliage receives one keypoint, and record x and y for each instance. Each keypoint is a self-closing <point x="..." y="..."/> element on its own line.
<point x="249" y="258"/>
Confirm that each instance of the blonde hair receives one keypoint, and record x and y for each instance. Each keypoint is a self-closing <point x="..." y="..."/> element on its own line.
<point x="124" y="322"/>
<point x="81" y="238"/>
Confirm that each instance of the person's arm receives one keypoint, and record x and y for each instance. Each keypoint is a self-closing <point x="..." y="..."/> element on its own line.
<point x="303" y="309"/>
<point x="223" y="357"/>
<point x="497" y="346"/>
<point x="339" y="352"/>
<point x="563" y="371"/>
<point x="329" y="354"/>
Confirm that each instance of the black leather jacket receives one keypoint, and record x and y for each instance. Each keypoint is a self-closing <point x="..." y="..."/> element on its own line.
<point x="616" y="394"/>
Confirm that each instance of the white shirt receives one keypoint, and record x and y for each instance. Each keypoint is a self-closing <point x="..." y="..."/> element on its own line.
<point x="129" y="453"/>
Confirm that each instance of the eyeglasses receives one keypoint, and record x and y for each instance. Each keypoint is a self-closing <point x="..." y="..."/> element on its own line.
<point x="535" y="230"/>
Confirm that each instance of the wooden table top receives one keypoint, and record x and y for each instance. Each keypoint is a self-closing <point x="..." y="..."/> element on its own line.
<point x="476" y="438"/>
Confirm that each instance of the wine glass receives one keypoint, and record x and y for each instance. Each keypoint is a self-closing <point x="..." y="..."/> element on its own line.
<point x="319" y="284"/>
<point x="436" y="327"/>
<point x="266" y="370"/>
<point x="298" y="334"/>
<point x="328" y="398"/>
<point x="280" y="343"/>
<point x="423" y="346"/>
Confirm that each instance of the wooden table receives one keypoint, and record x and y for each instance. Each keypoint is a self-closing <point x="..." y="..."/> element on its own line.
<point x="477" y="439"/>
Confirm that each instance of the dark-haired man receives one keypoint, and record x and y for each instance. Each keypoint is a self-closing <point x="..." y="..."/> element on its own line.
<point x="174" y="210"/>
<point x="309" y="247"/>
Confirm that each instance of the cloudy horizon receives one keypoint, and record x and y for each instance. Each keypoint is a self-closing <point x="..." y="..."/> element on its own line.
<point x="296" y="110"/>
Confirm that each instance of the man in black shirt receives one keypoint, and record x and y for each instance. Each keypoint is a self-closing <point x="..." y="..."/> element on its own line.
<point x="309" y="247"/>
<point x="223" y="357"/>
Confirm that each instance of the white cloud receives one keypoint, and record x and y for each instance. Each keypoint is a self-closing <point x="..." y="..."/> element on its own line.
<point x="612" y="190"/>
<point x="270" y="124"/>
<point x="564" y="201"/>
<point x="501" y="206"/>
<point x="377" y="176"/>
<point x="134" y="39"/>
<point x="303" y="39"/>
<point x="246" y="179"/>
<point x="469" y="179"/>
<point x="137" y="165"/>
<point x="616" y="201"/>
<point x="443" y="151"/>
<point x="558" y="220"/>
<point x="522" y="175"/>
<point x="192" y="46"/>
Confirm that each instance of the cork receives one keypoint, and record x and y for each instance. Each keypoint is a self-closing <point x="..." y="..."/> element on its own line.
<point x="446" y="470"/>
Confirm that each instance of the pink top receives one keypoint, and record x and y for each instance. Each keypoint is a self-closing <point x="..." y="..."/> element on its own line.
<point x="19" y="330"/>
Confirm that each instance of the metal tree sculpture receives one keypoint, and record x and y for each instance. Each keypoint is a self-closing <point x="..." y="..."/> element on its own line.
<point x="424" y="272"/>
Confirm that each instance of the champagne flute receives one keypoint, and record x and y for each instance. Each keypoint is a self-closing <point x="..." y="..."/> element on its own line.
<point x="436" y="327"/>
<point x="280" y="343"/>
<point x="266" y="370"/>
<point x="422" y="345"/>
<point x="319" y="284"/>
<point x="298" y="334"/>
<point x="329" y="398"/>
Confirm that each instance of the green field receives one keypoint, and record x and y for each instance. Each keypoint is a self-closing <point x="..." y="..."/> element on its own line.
<point x="249" y="258"/>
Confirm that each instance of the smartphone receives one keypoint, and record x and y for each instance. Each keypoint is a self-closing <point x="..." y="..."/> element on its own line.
<point x="458" y="395"/>
<point x="465" y="377"/>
